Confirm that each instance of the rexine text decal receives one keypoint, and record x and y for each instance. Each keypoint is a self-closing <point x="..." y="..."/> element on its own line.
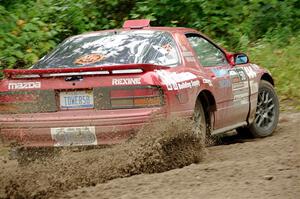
<point x="126" y="81"/>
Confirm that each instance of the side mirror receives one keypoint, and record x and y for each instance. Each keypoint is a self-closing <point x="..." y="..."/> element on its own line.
<point x="240" y="58"/>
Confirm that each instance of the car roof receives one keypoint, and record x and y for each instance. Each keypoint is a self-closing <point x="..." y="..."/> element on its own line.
<point x="165" y="29"/>
<point x="144" y="24"/>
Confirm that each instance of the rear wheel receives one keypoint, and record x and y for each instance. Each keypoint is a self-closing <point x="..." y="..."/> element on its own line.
<point x="267" y="112"/>
<point x="201" y="127"/>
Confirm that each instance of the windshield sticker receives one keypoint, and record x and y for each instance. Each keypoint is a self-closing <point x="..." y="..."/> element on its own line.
<point x="89" y="59"/>
<point x="126" y="81"/>
<point x="24" y="85"/>
<point x="178" y="81"/>
<point x="167" y="47"/>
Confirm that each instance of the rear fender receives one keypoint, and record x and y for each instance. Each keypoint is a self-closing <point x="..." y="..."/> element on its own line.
<point x="208" y="102"/>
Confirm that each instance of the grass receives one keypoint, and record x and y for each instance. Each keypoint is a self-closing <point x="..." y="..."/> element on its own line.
<point x="283" y="61"/>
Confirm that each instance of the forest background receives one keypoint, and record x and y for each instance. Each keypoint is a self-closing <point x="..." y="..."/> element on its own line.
<point x="266" y="30"/>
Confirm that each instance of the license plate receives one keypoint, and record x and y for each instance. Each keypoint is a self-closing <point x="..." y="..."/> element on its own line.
<point x="74" y="136"/>
<point x="76" y="99"/>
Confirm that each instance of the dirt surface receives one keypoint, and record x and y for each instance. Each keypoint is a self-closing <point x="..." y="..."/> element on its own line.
<point x="236" y="168"/>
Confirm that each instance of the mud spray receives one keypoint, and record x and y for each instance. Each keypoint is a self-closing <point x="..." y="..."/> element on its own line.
<point x="158" y="147"/>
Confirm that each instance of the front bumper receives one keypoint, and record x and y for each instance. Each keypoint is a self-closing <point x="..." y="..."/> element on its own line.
<point x="75" y="128"/>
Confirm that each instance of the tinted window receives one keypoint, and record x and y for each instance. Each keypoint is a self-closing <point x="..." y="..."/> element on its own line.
<point x="208" y="54"/>
<point x="113" y="48"/>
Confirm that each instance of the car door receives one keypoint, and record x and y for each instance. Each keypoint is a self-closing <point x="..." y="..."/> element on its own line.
<point x="230" y="84"/>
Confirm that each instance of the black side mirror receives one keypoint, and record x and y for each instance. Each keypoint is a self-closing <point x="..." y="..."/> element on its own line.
<point x="240" y="58"/>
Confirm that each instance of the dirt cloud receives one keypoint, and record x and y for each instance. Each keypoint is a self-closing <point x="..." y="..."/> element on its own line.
<point x="158" y="147"/>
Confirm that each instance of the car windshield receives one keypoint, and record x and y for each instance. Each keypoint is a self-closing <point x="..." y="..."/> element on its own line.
<point x="113" y="48"/>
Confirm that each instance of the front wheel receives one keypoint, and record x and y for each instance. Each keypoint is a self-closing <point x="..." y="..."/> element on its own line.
<point x="267" y="111"/>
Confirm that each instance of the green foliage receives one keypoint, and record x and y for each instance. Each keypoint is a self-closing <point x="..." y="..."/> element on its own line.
<point x="234" y="23"/>
<point x="31" y="28"/>
<point x="283" y="63"/>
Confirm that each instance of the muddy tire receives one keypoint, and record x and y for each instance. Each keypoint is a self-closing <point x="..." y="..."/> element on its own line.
<point x="267" y="112"/>
<point x="201" y="127"/>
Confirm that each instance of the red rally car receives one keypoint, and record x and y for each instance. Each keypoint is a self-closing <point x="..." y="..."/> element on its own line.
<point x="100" y="87"/>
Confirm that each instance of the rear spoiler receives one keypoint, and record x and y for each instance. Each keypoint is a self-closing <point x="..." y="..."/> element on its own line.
<point x="50" y="72"/>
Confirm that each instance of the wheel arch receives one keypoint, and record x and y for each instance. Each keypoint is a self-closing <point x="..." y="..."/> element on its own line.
<point x="267" y="77"/>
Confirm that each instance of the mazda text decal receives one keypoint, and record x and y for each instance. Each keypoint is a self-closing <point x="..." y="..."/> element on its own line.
<point x="23" y="85"/>
<point x="126" y="81"/>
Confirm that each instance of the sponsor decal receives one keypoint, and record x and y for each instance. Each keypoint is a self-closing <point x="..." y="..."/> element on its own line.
<point x="178" y="81"/>
<point x="188" y="56"/>
<point x="190" y="59"/>
<point x="240" y="96"/>
<point x="207" y="81"/>
<point x="254" y="66"/>
<point x="240" y="93"/>
<point x="250" y="72"/>
<point x="237" y="75"/>
<point x="219" y="72"/>
<point x="184" y="49"/>
<point x="126" y="81"/>
<point x="74" y="136"/>
<point x="224" y="83"/>
<point x="23" y="85"/>
<point x="242" y="101"/>
<point x="238" y="81"/>
<point x="240" y="86"/>
<point x="253" y="86"/>
<point x="191" y="84"/>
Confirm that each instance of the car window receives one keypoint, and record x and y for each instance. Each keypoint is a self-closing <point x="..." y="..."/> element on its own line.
<point x="207" y="53"/>
<point x="113" y="48"/>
